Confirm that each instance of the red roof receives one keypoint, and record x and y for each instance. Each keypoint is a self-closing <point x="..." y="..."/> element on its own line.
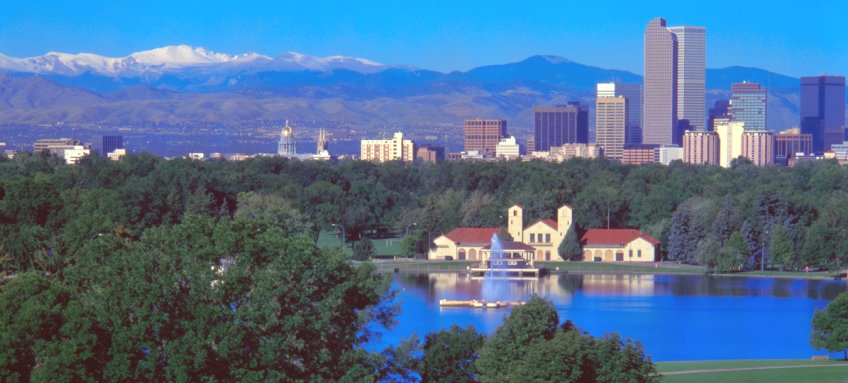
<point x="467" y="235"/>
<point x="615" y="237"/>
<point x="550" y="222"/>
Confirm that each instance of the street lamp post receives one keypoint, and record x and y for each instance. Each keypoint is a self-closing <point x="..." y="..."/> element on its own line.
<point x="344" y="236"/>
<point x="90" y="240"/>
<point x="406" y="232"/>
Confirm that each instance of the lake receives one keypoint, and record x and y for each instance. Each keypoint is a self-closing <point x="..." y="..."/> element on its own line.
<point x="676" y="317"/>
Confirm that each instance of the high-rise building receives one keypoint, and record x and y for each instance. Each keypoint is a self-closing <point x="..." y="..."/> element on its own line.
<point x="484" y="135"/>
<point x="395" y="149"/>
<point x="729" y="141"/>
<point x="286" y="145"/>
<point x="508" y="149"/>
<point x="110" y="143"/>
<point x="700" y="147"/>
<point x="560" y="124"/>
<point x="691" y="76"/>
<point x="611" y="124"/>
<point x="758" y="146"/>
<point x="675" y="81"/>
<point x="791" y="142"/>
<point x="823" y="110"/>
<point x="633" y="93"/>
<point x="531" y="144"/>
<point x="719" y="110"/>
<point x="748" y="105"/>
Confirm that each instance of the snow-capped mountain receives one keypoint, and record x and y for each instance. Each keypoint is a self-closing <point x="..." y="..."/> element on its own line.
<point x="180" y="57"/>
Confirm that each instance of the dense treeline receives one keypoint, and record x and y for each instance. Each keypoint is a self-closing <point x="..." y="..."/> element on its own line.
<point x="721" y="218"/>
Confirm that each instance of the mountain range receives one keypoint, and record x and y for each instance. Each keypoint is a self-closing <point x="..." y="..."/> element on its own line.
<point x="184" y="85"/>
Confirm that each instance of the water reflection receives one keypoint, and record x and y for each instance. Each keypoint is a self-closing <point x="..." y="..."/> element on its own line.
<point x="677" y="317"/>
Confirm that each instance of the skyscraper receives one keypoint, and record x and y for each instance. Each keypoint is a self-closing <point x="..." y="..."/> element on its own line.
<point x="560" y="124"/>
<point x="633" y="93"/>
<point x="758" y="146"/>
<point x="675" y="81"/>
<point x="748" y="105"/>
<point x="691" y="76"/>
<point x="484" y="135"/>
<point x="107" y="144"/>
<point x="610" y="124"/>
<point x="395" y="149"/>
<point x="823" y="110"/>
<point x="700" y="148"/>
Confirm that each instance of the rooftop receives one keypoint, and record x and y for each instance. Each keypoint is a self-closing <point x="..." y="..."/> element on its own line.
<point x="467" y="235"/>
<point x="615" y="237"/>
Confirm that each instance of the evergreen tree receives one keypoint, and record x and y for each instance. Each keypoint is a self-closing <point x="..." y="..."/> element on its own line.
<point x="450" y="355"/>
<point x="678" y="239"/>
<point x="570" y="249"/>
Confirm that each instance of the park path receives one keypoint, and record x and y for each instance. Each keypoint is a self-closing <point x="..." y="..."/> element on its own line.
<point x="748" y="369"/>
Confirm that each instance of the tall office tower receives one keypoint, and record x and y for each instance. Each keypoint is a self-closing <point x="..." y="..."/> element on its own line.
<point x="107" y="144"/>
<point x="675" y="81"/>
<point x="729" y="141"/>
<point x="611" y="124"/>
<point x="700" y="147"/>
<point x="484" y="135"/>
<point x="691" y="76"/>
<point x="748" y="105"/>
<point x="758" y="146"/>
<point x="286" y="146"/>
<point x="633" y="93"/>
<point x="560" y="124"/>
<point x="719" y="110"/>
<point x="395" y="149"/>
<point x="823" y="110"/>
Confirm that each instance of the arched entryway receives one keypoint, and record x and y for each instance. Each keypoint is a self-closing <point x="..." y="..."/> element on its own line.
<point x="461" y="255"/>
<point x="548" y="255"/>
<point x="472" y="254"/>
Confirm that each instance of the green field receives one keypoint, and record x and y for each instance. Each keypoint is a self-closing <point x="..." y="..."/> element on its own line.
<point x="387" y="247"/>
<point x="770" y="370"/>
<point x="621" y="267"/>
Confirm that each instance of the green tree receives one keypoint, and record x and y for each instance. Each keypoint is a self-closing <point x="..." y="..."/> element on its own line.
<point x="733" y="254"/>
<point x="363" y="250"/>
<point x="781" y="247"/>
<point x="570" y="249"/>
<point x="449" y="355"/>
<point x="830" y="326"/>
<point x="47" y="335"/>
<point x="281" y="311"/>
<point x="709" y="252"/>
<point x="524" y="328"/>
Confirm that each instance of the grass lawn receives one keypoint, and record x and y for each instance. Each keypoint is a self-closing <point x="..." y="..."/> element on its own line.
<point x="383" y="246"/>
<point x="790" y="274"/>
<point x="620" y="267"/>
<point x="423" y="266"/>
<point x="833" y="371"/>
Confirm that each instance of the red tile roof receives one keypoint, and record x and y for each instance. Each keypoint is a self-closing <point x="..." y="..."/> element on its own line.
<point x="615" y="237"/>
<point x="550" y="222"/>
<point x="469" y="235"/>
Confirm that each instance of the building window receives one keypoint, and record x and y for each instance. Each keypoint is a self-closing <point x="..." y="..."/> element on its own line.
<point x="515" y="213"/>
<point x="547" y="238"/>
<point x="638" y="253"/>
<point x="532" y="237"/>
<point x="630" y="253"/>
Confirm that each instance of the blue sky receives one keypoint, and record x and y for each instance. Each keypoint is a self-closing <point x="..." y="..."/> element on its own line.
<point x="442" y="35"/>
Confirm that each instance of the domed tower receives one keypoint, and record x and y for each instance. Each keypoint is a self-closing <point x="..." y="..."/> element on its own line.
<point x="286" y="146"/>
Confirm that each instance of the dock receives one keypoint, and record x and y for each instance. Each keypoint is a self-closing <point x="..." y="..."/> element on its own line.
<point x="476" y="304"/>
<point x="505" y="272"/>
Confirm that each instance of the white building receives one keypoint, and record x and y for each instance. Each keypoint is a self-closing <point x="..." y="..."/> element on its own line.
<point x="117" y="154"/>
<point x="395" y="149"/>
<point x="507" y="148"/>
<point x="729" y="140"/>
<point x="668" y="153"/>
<point x="74" y="154"/>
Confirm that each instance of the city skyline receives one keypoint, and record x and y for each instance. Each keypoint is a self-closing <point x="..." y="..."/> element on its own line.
<point x="427" y="35"/>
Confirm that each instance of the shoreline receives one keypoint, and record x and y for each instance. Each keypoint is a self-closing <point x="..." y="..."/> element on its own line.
<point x="565" y="268"/>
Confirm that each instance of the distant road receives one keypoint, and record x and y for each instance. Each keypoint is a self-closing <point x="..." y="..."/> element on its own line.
<point x="749" y="369"/>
